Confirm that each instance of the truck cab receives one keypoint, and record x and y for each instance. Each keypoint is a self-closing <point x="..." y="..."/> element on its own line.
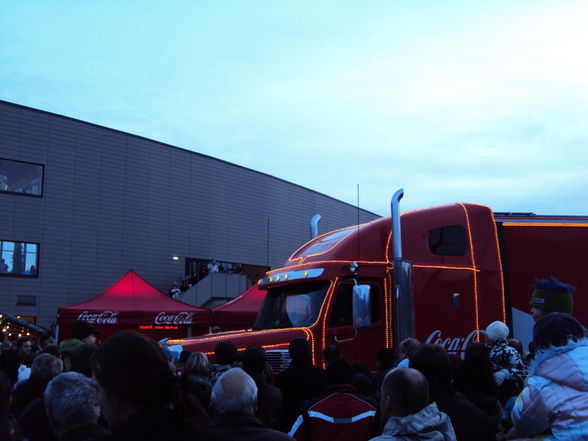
<point x="338" y="287"/>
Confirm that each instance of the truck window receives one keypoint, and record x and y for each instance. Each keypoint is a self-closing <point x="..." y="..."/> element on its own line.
<point x="342" y="313"/>
<point x="448" y="241"/>
<point x="292" y="306"/>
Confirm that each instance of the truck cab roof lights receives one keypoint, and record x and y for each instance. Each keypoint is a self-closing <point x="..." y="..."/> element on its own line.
<point x="292" y="275"/>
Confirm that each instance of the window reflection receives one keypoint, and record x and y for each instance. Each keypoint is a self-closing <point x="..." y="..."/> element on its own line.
<point x="21" y="177"/>
<point x="19" y="259"/>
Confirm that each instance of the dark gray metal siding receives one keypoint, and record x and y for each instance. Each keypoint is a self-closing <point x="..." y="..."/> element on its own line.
<point x="113" y="201"/>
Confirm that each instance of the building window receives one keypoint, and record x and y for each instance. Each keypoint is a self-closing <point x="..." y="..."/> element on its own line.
<point x="448" y="241"/>
<point x="19" y="259"/>
<point x="19" y="177"/>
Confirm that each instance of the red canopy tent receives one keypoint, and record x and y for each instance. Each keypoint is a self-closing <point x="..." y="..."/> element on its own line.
<point x="241" y="312"/>
<point x="133" y="303"/>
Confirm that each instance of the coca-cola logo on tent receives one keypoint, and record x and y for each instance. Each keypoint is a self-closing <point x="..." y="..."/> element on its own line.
<point x="100" y="318"/>
<point x="168" y="318"/>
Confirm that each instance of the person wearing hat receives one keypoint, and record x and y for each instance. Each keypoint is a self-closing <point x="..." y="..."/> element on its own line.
<point x="554" y="402"/>
<point x="81" y="332"/>
<point x="506" y="361"/>
<point x="551" y="295"/>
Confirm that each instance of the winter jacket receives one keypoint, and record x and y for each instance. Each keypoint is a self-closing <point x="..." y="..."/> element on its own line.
<point x="340" y="415"/>
<point x="299" y="382"/>
<point x="506" y="363"/>
<point x="269" y="402"/>
<point x="216" y="370"/>
<point x="554" y="403"/>
<point x="427" y="425"/>
<point x="157" y="424"/>
<point x="469" y="422"/>
<point x="244" y="428"/>
<point x="88" y="432"/>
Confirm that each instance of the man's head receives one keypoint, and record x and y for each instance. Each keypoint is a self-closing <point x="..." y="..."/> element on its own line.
<point x="409" y="346"/>
<point x="330" y="353"/>
<point x="299" y="350"/>
<point x="338" y="372"/>
<point x="225" y="353"/>
<point x="84" y="331"/>
<point x="405" y="391"/>
<point x="551" y="295"/>
<point x="80" y="359"/>
<point x="46" y="340"/>
<point x="434" y="363"/>
<point x="132" y="373"/>
<point x="253" y="360"/>
<point x="24" y="346"/>
<point x="71" y="400"/>
<point x="386" y="359"/>
<point x="234" y="392"/>
<point x="45" y="368"/>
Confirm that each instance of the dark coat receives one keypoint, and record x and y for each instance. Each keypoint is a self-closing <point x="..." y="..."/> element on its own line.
<point x="469" y="422"/>
<point x="7" y="427"/>
<point x="245" y="428"/>
<point x="199" y="385"/>
<point x="89" y="432"/>
<point x="269" y="402"/>
<point x="299" y="382"/>
<point x="157" y="424"/>
<point x="33" y="422"/>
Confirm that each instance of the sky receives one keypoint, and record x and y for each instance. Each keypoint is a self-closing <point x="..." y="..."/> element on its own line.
<point x="454" y="101"/>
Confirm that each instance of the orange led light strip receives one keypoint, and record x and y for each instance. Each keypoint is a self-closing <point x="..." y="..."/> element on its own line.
<point x="543" y="224"/>
<point x="387" y="307"/>
<point x="207" y="338"/>
<point x="472" y="256"/>
<point x="316" y="239"/>
<point x="321" y="262"/>
<point x="358" y="226"/>
<point x="502" y="292"/>
<point x="466" y="268"/>
<point x="387" y="250"/>
<point x="326" y="308"/>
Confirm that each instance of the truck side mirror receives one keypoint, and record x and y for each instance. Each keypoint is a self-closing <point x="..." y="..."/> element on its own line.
<point x="362" y="311"/>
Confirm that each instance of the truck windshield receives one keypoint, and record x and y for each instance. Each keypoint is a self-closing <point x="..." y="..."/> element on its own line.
<point x="292" y="306"/>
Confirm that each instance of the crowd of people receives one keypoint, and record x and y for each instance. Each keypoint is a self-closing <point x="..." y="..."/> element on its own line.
<point x="132" y="388"/>
<point x="189" y="280"/>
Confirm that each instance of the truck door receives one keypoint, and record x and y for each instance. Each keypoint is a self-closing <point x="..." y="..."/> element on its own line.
<point x="361" y="344"/>
<point x="456" y="273"/>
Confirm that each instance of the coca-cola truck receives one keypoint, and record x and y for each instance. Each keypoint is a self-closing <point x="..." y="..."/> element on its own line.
<point x="441" y="274"/>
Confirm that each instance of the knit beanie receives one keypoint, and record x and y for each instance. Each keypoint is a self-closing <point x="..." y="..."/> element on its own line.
<point x="553" y="296"/>
<point x="497" y="331"/>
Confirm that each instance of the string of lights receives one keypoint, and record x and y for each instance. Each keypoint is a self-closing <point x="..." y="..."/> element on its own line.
<point x="15" y="327"/>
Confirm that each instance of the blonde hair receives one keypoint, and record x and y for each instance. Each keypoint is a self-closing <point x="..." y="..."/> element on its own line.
<point x="197" y="364"/>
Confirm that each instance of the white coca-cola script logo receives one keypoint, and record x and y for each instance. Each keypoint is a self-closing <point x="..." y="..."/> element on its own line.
<point x="181" y="318"/>
<point x="100" y="318"/>
<point x="451" y="345"/>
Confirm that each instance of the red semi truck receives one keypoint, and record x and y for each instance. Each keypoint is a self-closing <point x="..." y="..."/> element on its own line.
<point x="441" y="274"/>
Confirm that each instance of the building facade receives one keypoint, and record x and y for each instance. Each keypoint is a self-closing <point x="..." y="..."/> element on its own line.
<point x="80" y="204"/>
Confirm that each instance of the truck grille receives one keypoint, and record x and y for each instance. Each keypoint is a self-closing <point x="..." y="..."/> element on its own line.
<point x="278" y="359"/>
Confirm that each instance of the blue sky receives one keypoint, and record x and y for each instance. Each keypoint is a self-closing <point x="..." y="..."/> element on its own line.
<point x="472" y="101"/>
